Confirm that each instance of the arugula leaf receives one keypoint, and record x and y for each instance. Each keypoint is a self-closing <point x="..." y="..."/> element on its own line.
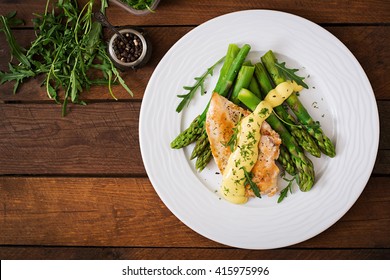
<point x="13" y="20"/>
<point x="252" y="185"/>
<point x="283" y="193"/>
<point x="16" y="49"/>
<point x="17" y="74"/>
<point x="52" y="92"/>
<point x="315" y="125"/>
<point x="290" y="74"/>
<point x="192" y="89"/>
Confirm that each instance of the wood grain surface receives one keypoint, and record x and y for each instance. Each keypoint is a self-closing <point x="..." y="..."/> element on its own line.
<point x="113" y="212"/>
<point x="187" y="12"/>
<point x="126" y="253"/>
<point x="75" y="187"/>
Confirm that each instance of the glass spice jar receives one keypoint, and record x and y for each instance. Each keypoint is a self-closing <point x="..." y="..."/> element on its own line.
<point x="131" y="53"/>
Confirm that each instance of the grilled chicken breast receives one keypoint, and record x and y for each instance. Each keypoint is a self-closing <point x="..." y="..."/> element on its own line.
<point x="265" y="172"/>
<point x="222" y="118"/>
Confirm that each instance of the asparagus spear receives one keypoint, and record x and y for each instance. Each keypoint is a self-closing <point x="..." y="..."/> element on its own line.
<point x="304" y="166"/>
<point x="188" y="135"/>
<point x="254" y="87"/>
<point x="192" y="133"/>
<point x="231" y="54"/>
<point x="303" y="138"/>
<point x="228" y="74"/>
<point x="323" y="142"/>
<point x="202" y="147"/>
<point x="286" y="161"/>
<point x="201" y="144"/>
<point x="196" y="130"/>
<point x="244" y="78"/>
<point x="204" y="158"/>
<point x="231" y="74"/>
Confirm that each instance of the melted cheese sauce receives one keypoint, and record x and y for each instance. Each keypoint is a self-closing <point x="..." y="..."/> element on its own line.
<point x="246" y="153"/>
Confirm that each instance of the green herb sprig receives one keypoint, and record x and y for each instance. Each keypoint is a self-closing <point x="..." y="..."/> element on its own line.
<point x="314" y="125"/>
<point x="198" y="84"/>
<point x="16" y="50"/>
<point x="290" y="74"/>
<point x="232" y="143"/>
<point x="252" y="185"/>
<point x="283" y="193"/>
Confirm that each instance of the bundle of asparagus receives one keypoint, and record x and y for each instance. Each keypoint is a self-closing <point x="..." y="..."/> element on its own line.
<point x="275" y="70"/>
<point x="247" y="84"/>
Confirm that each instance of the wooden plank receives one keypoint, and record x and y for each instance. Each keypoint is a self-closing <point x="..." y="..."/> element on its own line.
<point x="384" y="117"/>
<point x="128" y="212"/>
<point x="382" y="164"/>
<point x="88" y="211"/>
<point x="368" y="44"/>
<point x="187" y="12"/>
<point x="100" y="138"/>
<point x="120" y="253"/>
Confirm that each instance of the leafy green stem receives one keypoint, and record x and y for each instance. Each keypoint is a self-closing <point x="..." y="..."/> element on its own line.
<point x="198" y="84"/>
<point x="233" y="139"/>
<point x="290" y="74"/>
<point x="283" y="193"/>
<point x="314" y="125"/>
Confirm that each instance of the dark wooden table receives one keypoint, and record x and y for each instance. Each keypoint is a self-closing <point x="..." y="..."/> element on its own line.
<point x="75" y="187"/>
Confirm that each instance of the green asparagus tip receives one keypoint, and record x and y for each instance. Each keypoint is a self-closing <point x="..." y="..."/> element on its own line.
<point x="306" y="186"/>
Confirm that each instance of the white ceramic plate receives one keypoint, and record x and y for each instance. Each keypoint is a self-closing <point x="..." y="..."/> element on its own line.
<point x="340" y="97"/>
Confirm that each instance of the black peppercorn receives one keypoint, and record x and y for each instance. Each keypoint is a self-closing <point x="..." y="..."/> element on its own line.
<point x="130" y="49"/>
